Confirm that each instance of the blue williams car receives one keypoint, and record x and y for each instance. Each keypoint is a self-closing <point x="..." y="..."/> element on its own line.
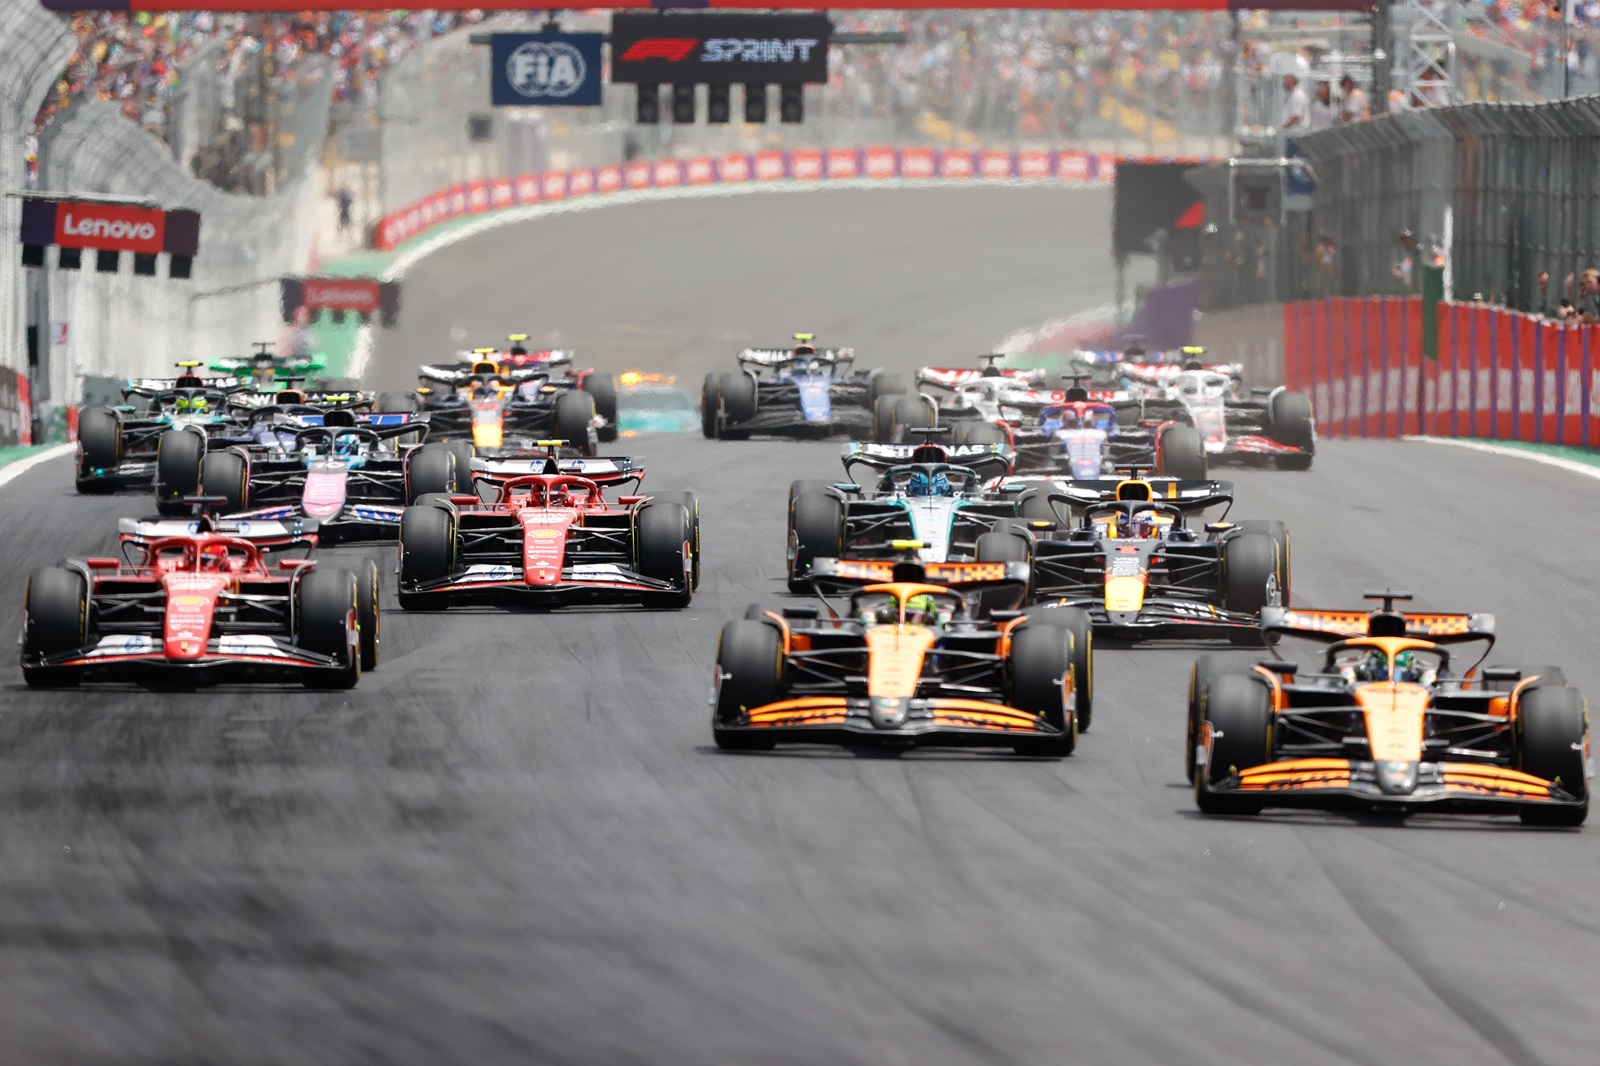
<point x="803" y="391"/>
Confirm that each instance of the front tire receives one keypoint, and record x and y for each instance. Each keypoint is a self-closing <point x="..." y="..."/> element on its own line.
<point x="1240" y="714"/>
<point x="710" y="401"/>
<point x="427" y="554"/>
<point x="1552" y="731"/>
<point x="1181" y="453"/>
<point x="226" y="474"/>
<point x="55" y="602"/>
<point x="433" y="468"/>
<point x="1040" y="659"/>
<point x="574" y="416"/>
<point x="367" y="615"/>
<point x="603" y="388"/>
<point x="326" y="609"/>
<point x="663" y="550"/>
<point x="749" y="674"/>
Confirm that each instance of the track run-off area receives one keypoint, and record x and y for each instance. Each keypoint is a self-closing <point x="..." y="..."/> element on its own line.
<point x="516" y="842"/>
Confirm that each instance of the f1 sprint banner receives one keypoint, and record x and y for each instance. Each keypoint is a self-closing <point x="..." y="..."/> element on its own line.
<point x="805" y="164"/>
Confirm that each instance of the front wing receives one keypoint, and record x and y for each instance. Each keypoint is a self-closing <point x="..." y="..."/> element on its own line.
<point x="1332" y="783"/>
<point x="1160" y="617"/>
<point x="922" y="722"/>
<point x="252" y="656"/>
<point x="581" y="582"/>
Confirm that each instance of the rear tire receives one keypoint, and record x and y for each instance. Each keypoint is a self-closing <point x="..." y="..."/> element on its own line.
<point x="603" y="387"/>
<point x="1240" y="714"/>
<point x="227" y="475"/>
<point x="55" y="602"/>
<point x="983" y="433"/>
<point x="817" y="529"/>
<point x="911" y="412"/>
<point x="886" y="384"/>
<point x="1034" y="505"/>
<point x="1552" y="728"/>
<point x="433" y="468"/>
<point x="367" y="615"/>
<point x="1003" y="547"/>
<point x="663" y="550"/>
<point x="1040" y="657"/>
<point x="574" y="417"/>
<point x="1181" y="454"/>
<point x="1293" y="424"/>
<point x="397" y="403"/>
<point x="710" y="400"/>
<point x="99" y="448"/>
<point x="427" y="553"/>
<point x="738" y="393"/>
<point x="750" y="674"/>
<point x="327" y="602"/>
<point x="179" y="453"/>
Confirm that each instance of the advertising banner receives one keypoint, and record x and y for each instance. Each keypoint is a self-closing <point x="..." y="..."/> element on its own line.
<point x="720" y="49"/>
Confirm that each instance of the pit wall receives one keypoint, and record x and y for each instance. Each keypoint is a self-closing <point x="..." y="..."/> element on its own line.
<point x="1500" y="375"/>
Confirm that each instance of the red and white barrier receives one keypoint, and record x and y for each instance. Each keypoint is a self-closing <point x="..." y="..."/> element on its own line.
<point x="1500" y="374"/>
<point x="801" y="164"/>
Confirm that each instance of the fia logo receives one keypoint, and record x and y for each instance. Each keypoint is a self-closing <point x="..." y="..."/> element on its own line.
<point x="546" y="69"/>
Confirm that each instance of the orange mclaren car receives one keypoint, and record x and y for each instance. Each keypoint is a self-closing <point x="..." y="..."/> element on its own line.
<point x="1388" y="721"/>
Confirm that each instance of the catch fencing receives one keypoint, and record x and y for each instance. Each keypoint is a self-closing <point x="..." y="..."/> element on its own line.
<point x="1496" y="193"/>
<point x="34" y="46"/>
<point x="119" y="324"/>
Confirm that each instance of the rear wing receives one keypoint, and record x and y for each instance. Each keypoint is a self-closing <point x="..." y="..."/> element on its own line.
<point x="950" y="377"/>
<point x="150" y="386"/>
<point x="278" y="365"/>
<point x="610" y="470"/>
<point x="542" y="357"/>
<point x="839" y="574"/>
<point x="779" y="356"/>
<point x="980" y="457"/>
<point x="1196" y="494"/>
<point x="1441" y="628"/>
<point x="458" y="376"/>
<point x="265" y="534"/>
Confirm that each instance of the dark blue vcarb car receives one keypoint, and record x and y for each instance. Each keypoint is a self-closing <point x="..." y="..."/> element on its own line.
<point x="804" y="391"/>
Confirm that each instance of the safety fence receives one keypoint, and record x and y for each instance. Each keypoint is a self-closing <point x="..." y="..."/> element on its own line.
<point x="1496" y="193"/>
<point x="1500" y="374"/>
<point x="33" y="48"/>
<point x="738" y="168"/>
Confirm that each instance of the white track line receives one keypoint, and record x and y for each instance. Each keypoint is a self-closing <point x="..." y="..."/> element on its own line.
<point x="361" y="351"/>
<point x="1022" y="341"/>
<point x="22" y="466"/>
<point x="1569" y="465"/>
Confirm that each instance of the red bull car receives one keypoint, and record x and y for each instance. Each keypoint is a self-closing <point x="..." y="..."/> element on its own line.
<point x="1386" y="719"/>
<point x="191" y="602"/>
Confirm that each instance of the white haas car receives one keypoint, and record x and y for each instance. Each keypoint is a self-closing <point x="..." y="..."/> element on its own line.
<point x="1268" y="425"/>
<point x="986" y="406"/>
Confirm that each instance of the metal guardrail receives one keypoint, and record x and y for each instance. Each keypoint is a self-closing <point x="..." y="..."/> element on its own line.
<point x="1496" y="193"/>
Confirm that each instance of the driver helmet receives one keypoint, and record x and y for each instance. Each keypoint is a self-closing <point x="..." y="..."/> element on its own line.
<point x="924" y="484"/>
<point x="1142" y="525"/>
<point x="1407" y="668"/>
<point x="1053" y="422"/>
<point x="197" y="405"/>
<point x="922" y="610"/>
<point x="214" y="557"/>
<point x="345" y="444"/>
<point x="1374" y="666"/>
<point x="885" y="614"/>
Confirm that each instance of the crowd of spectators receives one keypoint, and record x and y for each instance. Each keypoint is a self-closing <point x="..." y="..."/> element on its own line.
<point x="138" y="61"/>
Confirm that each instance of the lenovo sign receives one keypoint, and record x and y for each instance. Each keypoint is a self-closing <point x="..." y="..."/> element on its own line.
<point x="337" y="294"/>
<point x="114" y="228"/>
<point x="720" y="49"/>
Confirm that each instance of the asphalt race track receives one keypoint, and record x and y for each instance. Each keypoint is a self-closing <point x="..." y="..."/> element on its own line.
<point x="515" y="841"/>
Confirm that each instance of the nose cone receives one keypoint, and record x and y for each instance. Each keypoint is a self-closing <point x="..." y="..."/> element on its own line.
<point x="1397" y="778"/>
<point x="888" y="713"/>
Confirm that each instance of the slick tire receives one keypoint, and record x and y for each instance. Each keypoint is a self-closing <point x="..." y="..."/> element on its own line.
<point x="178" y="456"/>
<point x="886" y="384"/>
<point x="691" y="504"/>
<point x="710" y="401"/>
<point x="1280" y="536"/>
<point x="911" y="412"/>
<point x="99" y="448"/>
<point x="574" y="416"/>
<point x="1240" y="714"/>
<point x="55" y="603"/>
<point x="1180" y="453"/>
<point x="1249" y="576"/>
<point x="749" y="674"/>
<point x="1003" y="546"/>
<point x="327" y="604"/>
<point x="816" y="529"/>
<point x="433" y="468"/>
<point x="1040" y="657"/>
<point x="397" y="403"/>
<point x="1033" y="505"/>
<point x="427" y="553"/>
<point x="225" y="474"/>
<point x="1080" y="630"/>
<point x="1292" y="423"/>
<point x="367" y="613"/>
<point x="738" y="393"/>
<point x="1200" y="674"/>
<point x="978" y="433"/>
<point x="662" y="550"/>
<point x="1552" y="730"/>
<point x="883" y="418"/>
<point x="603" y="387"/>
